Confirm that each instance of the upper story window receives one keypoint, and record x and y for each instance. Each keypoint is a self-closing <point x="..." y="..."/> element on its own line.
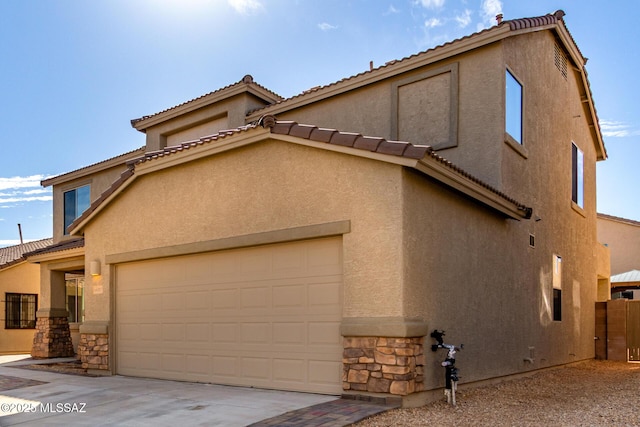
<point x="76" y="201"/>
<point x="20" y="311"/>
<point x="513" y="107"/>
<point x="577" y="175"/>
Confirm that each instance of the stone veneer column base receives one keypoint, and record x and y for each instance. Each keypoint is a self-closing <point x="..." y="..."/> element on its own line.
<point x="52" y="337"/>
<point x="383" y="365"/>
<point x="93" y="348"/>
<point x="93" y="351"/>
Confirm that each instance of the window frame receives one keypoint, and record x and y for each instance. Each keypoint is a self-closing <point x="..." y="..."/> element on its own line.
<point x="577" y="176"/>
<point x="77" y="284"/>
<point x="20" y="323"/>
<point x="67" y="216"/>
<point x="509" y="106"/>
<point x="556" y="284"/>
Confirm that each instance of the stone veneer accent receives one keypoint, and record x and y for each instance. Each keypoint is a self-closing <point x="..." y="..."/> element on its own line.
<point x="93" y="351"/>
<point x="52" y="338"/>
<point x="383" y="365"/>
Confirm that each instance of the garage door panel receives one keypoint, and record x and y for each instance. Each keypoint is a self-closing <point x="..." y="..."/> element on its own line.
<point x="255" y="298"/>
<point x="263" y="317"/>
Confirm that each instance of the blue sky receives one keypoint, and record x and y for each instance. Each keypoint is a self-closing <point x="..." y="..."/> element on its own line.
<point x="75" y="72"/>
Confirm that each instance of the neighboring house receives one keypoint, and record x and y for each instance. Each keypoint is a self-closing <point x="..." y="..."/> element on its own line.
<point x="622" y="237"/>
<point x="266" y="242"/>
<point x="19" y="289"/>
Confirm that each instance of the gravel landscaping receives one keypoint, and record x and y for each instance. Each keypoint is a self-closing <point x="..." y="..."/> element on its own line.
<point x="590" y="393"/>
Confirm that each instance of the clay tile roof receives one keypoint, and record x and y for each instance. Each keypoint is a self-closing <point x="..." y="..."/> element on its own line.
<point x="379" y="145"/>
<point x="151" y="155"/>
<point x="246" y="80"/>
<point x="15" y="254"/>
<point x="539" y="21"/>
<point x="514" y="25"/>
<point x="58" y="247"/>
<point x="348" y="139"/>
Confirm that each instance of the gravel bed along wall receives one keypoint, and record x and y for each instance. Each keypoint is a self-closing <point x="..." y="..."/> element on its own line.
<point x="590" y="393"/>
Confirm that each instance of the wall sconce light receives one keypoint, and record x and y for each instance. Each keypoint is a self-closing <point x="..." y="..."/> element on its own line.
<point x="94" y="268"/>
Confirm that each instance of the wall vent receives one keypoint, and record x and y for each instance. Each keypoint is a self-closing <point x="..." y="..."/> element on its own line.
<point x="561" y="61"/>
<point x="532" y="240"/>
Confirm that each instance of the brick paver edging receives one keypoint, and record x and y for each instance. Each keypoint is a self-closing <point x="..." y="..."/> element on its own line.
<point x="337" y="413"/>
<point x="10" y="383"/>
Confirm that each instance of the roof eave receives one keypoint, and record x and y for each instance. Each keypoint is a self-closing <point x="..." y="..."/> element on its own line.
<point x="57" y="255"/>
<point x="473" y="189"/>
<point x="94" y="168"/>
<point x="435" y="55"/>
<point x="142" y="124"/>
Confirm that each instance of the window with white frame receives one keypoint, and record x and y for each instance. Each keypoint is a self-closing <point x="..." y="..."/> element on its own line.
<point x="577" y="175"/>
<point x="76" y="201"/>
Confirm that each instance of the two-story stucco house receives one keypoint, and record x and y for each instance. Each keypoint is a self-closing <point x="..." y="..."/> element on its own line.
<point x="313" y="243"/>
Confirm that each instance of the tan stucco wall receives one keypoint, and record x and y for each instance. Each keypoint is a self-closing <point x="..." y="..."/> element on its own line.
<point x="263" y="187"/>
<point x="369" y="111"/>
<point x="99" y="183"/>
<point x="229" y="114"/>
<point x="623" y="240"/>
<point x="461" y="274"/>
<point x="21" y="278"/>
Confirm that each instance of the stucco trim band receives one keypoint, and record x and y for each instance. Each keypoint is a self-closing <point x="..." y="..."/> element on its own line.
<point x="395" y="327"/>
<point x="95" y="327"/>
<point x="329" y="229"/>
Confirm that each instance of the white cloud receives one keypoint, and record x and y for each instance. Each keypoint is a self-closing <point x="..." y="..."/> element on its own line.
<point x="326" y="27"/>
<point x="464" y="19"/>
<point x="431" y="4"/>
<point x="615" y="129"/>
<point x="21" y="182"/>
<point x="490" y="8"/>
<point x="25" y="199"/>
<point x="432" y="23"/>
<point x="391" y="10"/>
<point x="21" y="189"/>
<point x="246" y="7"/>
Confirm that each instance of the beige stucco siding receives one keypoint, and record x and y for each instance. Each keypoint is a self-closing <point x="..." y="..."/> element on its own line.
<point x="264" y="187"/>
<point x="99" y="182"/>
<point x="623" y="240"/>
<point x="22" y="278"/>
<point x="369" y="111"/>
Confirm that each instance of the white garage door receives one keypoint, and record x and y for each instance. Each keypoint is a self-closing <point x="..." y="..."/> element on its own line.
<point x="265" y="317"/>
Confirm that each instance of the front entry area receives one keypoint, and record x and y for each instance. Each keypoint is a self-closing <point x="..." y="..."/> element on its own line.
<point x="265" y="316"/>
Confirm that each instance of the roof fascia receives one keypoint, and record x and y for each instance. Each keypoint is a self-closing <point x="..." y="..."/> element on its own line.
<point x="78" y="229"/>
<point x="11" y="264"/>
<point x="449" y="177"/>
<point x="63" y="255"/>
<point x="95" y="168"/>
<point x="397" y="160"/>
<point x="206" y="149"/>
<point x="439" y="53"/>
<point x="204" y="101"/>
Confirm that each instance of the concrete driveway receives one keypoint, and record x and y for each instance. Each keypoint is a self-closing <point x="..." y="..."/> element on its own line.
<point x="63" y="399"/>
